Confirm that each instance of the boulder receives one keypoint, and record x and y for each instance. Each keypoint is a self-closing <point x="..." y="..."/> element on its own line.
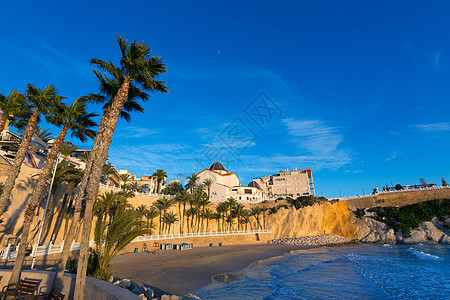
<point x="445" y="240"/>
<point x="416" y="236"/>
<point x="431" y="231"/>
<point x="136" y="289"/>
<point x="171" y="297"/>
<point x="399" y="237"/>
<point x="372" y="231"/>
<point x="191" y="296"/>
<point x="123" y="283"/>
<point x="148" y="291"/>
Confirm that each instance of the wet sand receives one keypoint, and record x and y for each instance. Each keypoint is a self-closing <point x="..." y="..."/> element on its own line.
<point x="180" y="272"/>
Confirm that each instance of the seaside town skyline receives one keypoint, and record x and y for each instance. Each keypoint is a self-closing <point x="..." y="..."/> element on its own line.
<point x="356" y="121"/>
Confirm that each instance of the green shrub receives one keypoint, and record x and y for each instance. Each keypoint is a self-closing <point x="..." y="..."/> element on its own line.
<point x="360" y="213"/>
<point x="410" y="216"/>
<point x="71" y="265"/>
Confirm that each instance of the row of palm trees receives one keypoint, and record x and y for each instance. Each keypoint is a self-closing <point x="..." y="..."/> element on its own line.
<point x="195" y="212"/>
<point x="121" y="88"/>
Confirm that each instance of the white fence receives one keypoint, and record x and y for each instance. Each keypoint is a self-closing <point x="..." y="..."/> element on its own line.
<point x="390" y="192"/>
<point x="116" y="189"/>
<point x="9" y="253"/>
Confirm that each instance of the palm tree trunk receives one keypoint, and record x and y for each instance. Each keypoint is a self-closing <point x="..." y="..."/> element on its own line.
<point x="93" y="186"/>
<point x="3" y="119"/>
<point x="57" y="283"/>
<point x="160" y="222"/>
<point x="34" y="201"/>
<point x="15" y="275"/>
<point x="179" y="213"/>
<point x="184" y="213"/>
<point x="20" y="156"/>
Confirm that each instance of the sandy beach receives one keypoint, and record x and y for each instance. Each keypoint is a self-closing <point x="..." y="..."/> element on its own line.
<point x="181" y="272"/>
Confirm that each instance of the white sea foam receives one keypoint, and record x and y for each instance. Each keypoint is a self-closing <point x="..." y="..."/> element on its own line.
<point x="424" y="255"/>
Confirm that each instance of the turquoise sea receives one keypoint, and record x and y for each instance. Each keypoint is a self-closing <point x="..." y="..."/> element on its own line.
<point x="363" y="272"/>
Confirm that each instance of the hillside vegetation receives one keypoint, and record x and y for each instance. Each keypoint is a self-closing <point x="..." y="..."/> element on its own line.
<point x="410" y="216"/>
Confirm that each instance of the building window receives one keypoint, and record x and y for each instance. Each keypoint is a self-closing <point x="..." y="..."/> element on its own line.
<point x="247" y="191"/>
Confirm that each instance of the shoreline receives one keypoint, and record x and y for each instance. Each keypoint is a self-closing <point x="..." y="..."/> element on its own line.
<point x="191" y="271"/>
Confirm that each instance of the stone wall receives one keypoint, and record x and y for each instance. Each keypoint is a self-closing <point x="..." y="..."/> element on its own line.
<point x="397" y="199"/>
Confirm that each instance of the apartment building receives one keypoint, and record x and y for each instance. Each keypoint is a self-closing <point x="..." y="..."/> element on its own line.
<point x="287" y="183"/>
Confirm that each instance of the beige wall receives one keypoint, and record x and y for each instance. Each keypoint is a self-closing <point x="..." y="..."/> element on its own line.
<point x="397" y="199"/>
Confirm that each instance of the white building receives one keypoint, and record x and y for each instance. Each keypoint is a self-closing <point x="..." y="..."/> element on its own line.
<point x="226" y="185"/>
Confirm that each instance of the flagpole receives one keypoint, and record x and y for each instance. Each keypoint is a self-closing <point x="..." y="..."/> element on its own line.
<point x="45" y="211"/>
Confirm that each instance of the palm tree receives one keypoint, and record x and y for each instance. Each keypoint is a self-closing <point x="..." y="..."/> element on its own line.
<point x="239" y="212"/>
<point x="125" y="178"/>
<point x="217" y="216"/>
<point x="264" y="211"/>
<point x="208" y="215"/>
<point x="256" y="212"/>
<point x="208" y="183"/>
<point x="67" y="148"/>
<point x="104" y="204"/>
<point x="160" y="176"/>
<point x="192" y="183"/>
<point x="150" y="215"/>
<point x="231" y="203"/>
<point x="164" y="204"/>
<point x="14" y="107"/>
<point x="44" y="134"/>
<point x="222" y="209"/>
<point x="204" y="203"/>
<point x="142" y="210"/>
<point x="136" y="74"/>
<point x="170" y="219"/>
<point x="41" y="103"/>
<point x="107" y="170"/>
<point x="75" y="119"/>
<point x="182" y="198"/>
<point x="111" y="239"/>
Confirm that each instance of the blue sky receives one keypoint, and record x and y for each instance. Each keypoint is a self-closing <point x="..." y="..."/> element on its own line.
<point x="356" y="91"/>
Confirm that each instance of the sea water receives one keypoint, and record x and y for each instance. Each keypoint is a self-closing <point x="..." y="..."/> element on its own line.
<point x="364" y="272"/>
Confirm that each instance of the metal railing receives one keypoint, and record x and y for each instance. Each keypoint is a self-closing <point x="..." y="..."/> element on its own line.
<point x="10" y="251"/>
<point x="390" y="192"/>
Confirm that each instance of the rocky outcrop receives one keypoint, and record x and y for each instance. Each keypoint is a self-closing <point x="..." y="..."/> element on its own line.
<point x="427" y="232"/>
<point x="145" y="292"/>
<point x="372" y="231"/>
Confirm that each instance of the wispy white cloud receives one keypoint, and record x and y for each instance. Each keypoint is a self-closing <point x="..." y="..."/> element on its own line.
<point x="319" y="141"/>
<point x="432" y="127"/>
<point x="52" y="59"/>
<point x="393" y="155"/>
<point x="136" y="132"/>
<point x="436" y="60"/>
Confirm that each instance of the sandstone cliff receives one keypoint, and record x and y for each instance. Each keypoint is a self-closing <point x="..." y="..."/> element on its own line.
<point x="313" y="220"/>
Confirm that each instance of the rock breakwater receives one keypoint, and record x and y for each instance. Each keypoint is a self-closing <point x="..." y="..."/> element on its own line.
<point x="318" y="240"/>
